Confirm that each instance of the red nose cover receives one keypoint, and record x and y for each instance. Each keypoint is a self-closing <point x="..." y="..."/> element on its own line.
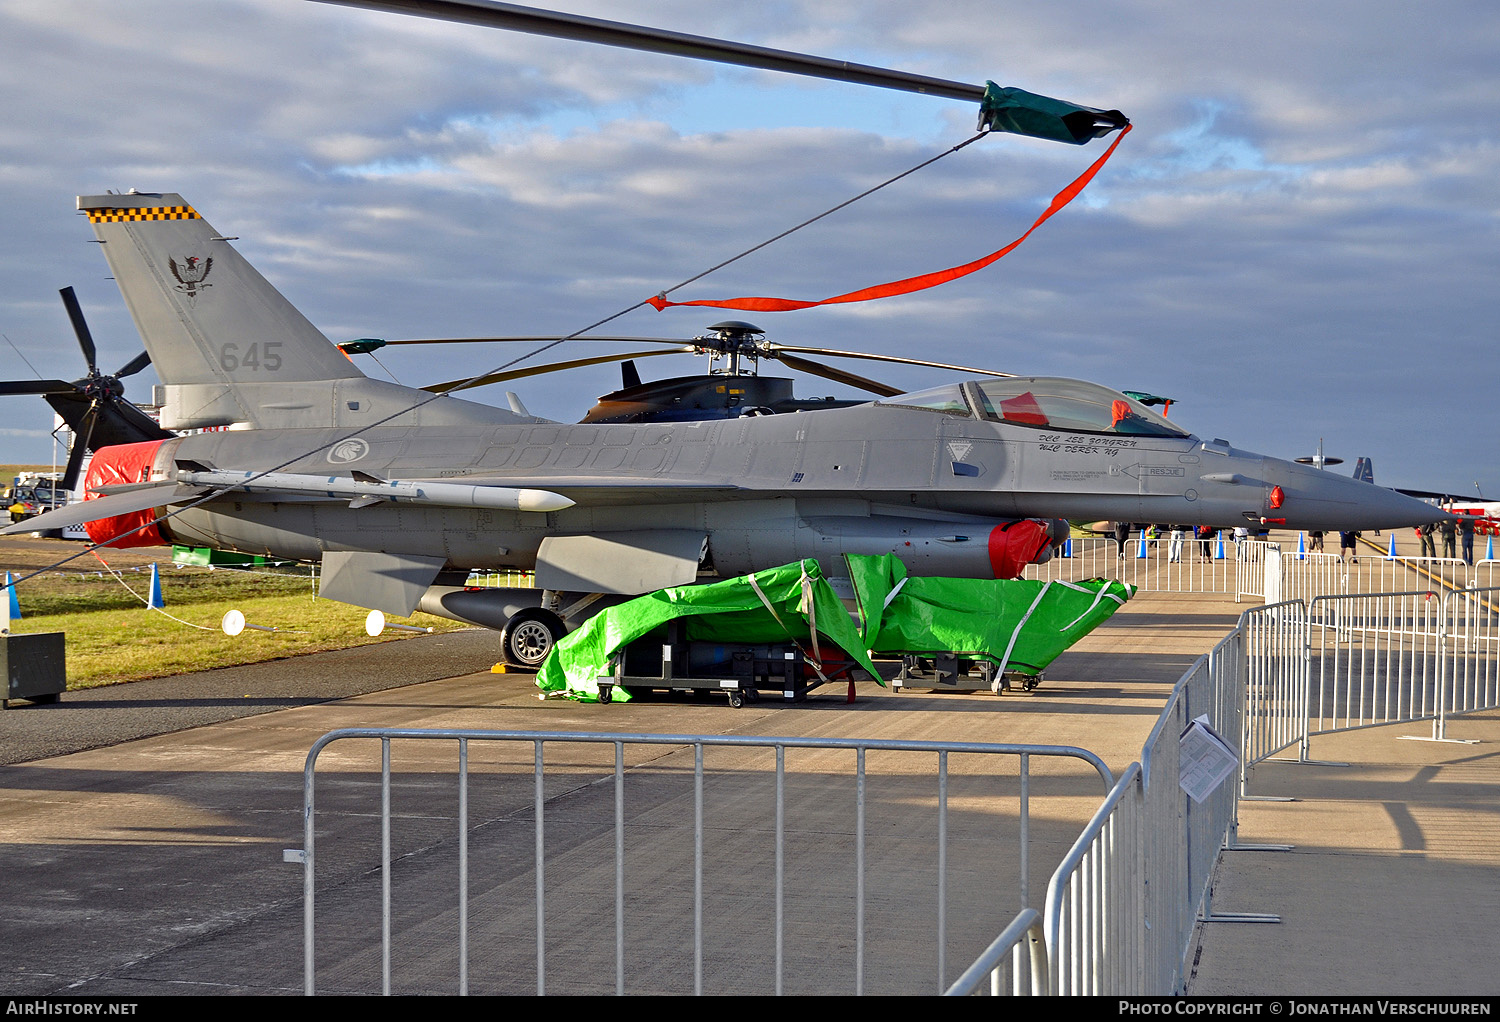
<point x="1015" y="545"/>
<point x="126" y="463"/>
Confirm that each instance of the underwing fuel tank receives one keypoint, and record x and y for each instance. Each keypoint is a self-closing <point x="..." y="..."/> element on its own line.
<point x="948" y="549"/>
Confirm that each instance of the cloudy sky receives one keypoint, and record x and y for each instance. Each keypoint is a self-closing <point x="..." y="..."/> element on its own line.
<point x="1298" y="240"/>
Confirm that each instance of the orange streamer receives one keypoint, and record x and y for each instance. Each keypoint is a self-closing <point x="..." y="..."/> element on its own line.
<point x="910" y="284"/>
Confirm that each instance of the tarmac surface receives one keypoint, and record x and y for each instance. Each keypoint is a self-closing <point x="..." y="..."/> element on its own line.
<point x="142" y="830"/>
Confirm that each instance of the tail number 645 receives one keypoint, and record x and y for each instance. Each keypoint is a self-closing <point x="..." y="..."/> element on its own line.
<point x="255" y="356"/>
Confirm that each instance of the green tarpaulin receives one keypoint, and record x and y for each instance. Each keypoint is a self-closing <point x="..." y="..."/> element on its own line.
<point x="1022" y="625"/>
<point x="1018" y="624"/>
<point x="785" y="604"/>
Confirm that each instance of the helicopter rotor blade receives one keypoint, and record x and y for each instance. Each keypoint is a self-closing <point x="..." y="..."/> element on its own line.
<point x="81" y="328"/>
<point x="36" y="387"/>
<point x="775" y="348"/>
<point x="134" y="366"/>
<point x="654" y="40"/>
<point x="537" y="339"/>
<point x="838" y="375"/>
<point x="577" y="363"/>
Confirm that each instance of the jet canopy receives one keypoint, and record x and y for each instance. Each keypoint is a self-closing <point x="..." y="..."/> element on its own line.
<point x="1043" y="402"/>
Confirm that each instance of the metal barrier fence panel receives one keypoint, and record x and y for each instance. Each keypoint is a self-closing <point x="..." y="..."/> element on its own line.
<point x="1470" y="666"/>
<point x="522" y="862"/>
<point x="1098" y="900"/>
<point x="1122" y="906"/>
<point x="1308" y="575"/>
<point x="1221" y="565"/>
<point x="1486" y="574"/>
<point x="1372" y="659"/>
<point x="1015" y="963"/>
<point x="1250" y="556"/>
<point x="1274" y="644"/>
<point x="1185" y="565"/>
<point x="1313" y="575"/>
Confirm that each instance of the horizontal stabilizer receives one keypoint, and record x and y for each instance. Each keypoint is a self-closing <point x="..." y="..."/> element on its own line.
<point x="109" y="506"/>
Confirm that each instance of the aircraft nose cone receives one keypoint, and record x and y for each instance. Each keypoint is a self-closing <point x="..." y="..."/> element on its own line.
<point x="1318" y="499"/>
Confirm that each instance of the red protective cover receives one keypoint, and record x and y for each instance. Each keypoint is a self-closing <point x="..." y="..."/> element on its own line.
<point x="1015" y="545"/>
<point x="125" y="463"/>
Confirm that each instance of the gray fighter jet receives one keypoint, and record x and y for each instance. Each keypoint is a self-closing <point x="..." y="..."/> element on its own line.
<point x="394" y="489"/>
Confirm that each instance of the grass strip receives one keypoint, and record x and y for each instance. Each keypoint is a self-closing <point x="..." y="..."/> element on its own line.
<point x="109" y="646"/>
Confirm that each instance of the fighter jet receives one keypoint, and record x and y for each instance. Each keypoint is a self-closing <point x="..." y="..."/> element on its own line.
<point x="398" y="492"/>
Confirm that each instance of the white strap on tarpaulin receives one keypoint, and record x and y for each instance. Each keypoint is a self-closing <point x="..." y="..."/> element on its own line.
<point x="1016" y="634"/>
<point x="811" y="658"/>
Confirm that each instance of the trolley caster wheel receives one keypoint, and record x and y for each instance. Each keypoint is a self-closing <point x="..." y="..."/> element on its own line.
<point x="736" y="699"/>
<point x="606" y="694"/>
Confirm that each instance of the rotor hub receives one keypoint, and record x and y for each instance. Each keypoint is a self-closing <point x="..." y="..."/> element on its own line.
<point x="734" y="340"/>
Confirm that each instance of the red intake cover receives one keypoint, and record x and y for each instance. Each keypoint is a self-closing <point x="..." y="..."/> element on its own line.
<point x="1015" y="545"/>
<point x="126" y="463"/>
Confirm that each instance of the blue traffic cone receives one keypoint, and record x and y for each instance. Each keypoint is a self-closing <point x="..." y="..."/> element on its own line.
<point x="1302" y="546"/>
<point x="155" y="599"/>
<point x="15" y="603"/>
<point x="1219" y="549"/>
<point x="1391" y="554"/>
<point x="1141" y="553"/>
<point x="1068" y="547"/>
<point x="1489" y="549"/>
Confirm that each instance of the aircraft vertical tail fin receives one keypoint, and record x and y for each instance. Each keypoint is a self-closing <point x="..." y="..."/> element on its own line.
<point x="207" y="316"/>
<point x="229" y="348"/>
<point x="1364" y="469"/>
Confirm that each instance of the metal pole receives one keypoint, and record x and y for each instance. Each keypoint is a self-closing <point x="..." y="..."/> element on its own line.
<point x="620" y="868"/>
<point x="780" y="863"/>
<point x="463" y="867"/>
<point x="385" y="866"/>
<point x="541" y="914"/>
<point x="859" y="875"/>
<point x="307" y="874"/>
<point x="1025" y="830"/>
<point x="942" y="879"/>
<point x="698" y="869"/>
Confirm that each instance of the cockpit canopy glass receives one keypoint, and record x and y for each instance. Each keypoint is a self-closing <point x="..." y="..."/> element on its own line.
<point x="1070" y="405"/>
<point x="948" y="399"/>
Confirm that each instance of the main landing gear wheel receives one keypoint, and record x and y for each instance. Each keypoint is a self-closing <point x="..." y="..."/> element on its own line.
<point x="529" y="636"/>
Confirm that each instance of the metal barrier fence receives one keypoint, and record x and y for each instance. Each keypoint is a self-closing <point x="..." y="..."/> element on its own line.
<point x="1372" y="659"/>
<point x="1253" y="571"/>
<point x="1020" y="952"/>
<point x="514" y="578"/>
<point x="1337" y="663"/>
<point x="1122" y="906"/>
<point x="833" y="894"/>
<point x="1255" y="568"/>
<point x="1098" y="900"/>
<point x="1162" y="564"/>
<point x="1309" y="576"/>
<point x="1487" y="574"/>
<point x="1469" y="669"/>
<point x="1274" y="648"/>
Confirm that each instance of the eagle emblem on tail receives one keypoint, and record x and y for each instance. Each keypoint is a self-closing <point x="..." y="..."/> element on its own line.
<point x="190" y="273"/>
